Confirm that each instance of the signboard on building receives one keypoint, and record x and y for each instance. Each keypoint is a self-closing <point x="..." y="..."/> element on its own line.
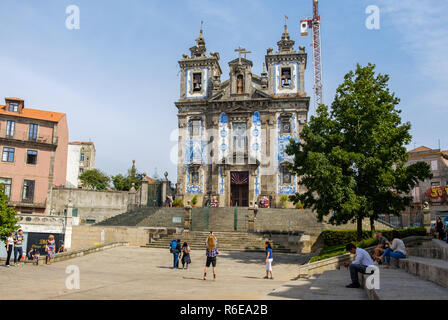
<point x="437" y="193"/>
<point x="39" y="240"/>
<point x="177" y="219"/>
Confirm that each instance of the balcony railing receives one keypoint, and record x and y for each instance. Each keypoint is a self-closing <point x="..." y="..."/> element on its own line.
<point x="40" y="219"/>
<point x="25" y="136"/>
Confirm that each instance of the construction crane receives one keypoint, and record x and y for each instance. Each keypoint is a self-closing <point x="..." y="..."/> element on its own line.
<point x="314" y="24"/>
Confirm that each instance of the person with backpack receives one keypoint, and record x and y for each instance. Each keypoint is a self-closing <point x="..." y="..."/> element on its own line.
<point x="174" y="244"/>
<point x="179" y="251"/>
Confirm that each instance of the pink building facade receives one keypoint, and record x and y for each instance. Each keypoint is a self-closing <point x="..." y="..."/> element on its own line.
<point x="33" y="146"/>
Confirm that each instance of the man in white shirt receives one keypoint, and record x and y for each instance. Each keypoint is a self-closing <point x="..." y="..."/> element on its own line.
<point x="360" y="264"/>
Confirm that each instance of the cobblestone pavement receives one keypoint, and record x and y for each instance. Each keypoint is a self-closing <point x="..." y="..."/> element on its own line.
<point x="146" y="273"/>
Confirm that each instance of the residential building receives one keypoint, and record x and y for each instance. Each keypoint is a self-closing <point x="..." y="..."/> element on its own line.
<point x="433" y="191"/>
<point x="81" y="157"/>
<point x="33" y="145"/>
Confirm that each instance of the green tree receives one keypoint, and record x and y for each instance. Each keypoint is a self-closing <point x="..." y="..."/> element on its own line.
<point x="8" y="217"/>
<point x="352" y="159"/>
<point x="124" y="183"/>
<point x="94" y="179"/>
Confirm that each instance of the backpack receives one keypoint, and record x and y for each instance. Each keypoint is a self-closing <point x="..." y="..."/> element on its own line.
<point x="173" y="246"/>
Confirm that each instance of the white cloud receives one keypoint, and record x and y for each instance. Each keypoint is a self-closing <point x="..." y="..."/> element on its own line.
<point x="424" y="35"/>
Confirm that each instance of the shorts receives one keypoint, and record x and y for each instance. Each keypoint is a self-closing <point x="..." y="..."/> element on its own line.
<point x="212" y="261"/>
<point x="269" y="265"/>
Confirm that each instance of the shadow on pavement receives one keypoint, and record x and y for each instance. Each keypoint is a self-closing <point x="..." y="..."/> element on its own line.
<point x="259" y="258"/>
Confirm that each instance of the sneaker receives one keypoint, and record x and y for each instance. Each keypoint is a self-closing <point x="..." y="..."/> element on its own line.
<point x="272" y="278"/>
<point x="265" y="277"/>
<point x="353" y="285"/>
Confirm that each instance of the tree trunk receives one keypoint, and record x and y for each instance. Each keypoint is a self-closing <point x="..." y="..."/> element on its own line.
<point x="372" y="226"/>
<point x="359" y="229"/>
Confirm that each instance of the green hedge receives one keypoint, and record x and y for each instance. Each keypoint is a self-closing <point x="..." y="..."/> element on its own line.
<point x="342" y="237"/>
<point x="334" y="251"/>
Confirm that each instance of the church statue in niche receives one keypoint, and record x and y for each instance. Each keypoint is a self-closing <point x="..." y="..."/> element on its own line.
<point x="239" y="84"/>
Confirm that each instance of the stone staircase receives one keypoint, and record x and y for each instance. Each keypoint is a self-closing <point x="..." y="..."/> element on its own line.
<point x="131" y="218"/>
<point x="146" y="217"/>
<point x="227" y="241"/>
<point x="429" y="262"/>
<point x="423" y="275"/>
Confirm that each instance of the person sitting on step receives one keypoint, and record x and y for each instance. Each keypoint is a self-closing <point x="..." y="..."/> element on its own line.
<point x="381" y="247"/>
<point x="360" y="264"/>
<point x="396" y="249"/>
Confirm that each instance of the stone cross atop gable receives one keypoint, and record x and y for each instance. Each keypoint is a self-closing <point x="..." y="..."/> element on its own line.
<point x="240" y="51"/>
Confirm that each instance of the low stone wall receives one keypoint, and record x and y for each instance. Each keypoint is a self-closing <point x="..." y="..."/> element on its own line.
<point x="334" y="263"/>
<point x="76" y="253"/>
<point x="86" y="235"/>
<point x="90" y="204"/>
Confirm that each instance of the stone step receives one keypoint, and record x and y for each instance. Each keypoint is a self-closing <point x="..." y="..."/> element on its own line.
<point x="397" y="284"/>
<point x="434" y="270"/>
<point x="226" y="241"/>
<point x="434" y="249"/>
<point x="222" y="248"/>
<point x="329" y="285"/>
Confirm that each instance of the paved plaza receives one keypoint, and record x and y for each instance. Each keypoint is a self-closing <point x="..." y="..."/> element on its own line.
<point x="145" y="273"/>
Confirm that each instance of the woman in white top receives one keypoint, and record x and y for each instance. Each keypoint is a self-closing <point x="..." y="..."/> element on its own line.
<point x="396" y="249"/>
<point x="9" y="246"/>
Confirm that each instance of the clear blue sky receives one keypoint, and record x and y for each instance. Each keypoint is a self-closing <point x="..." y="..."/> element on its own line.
<point x="117" y="78"/>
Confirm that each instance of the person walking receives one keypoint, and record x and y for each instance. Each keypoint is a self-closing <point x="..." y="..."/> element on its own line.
<point x="186" y="260"/>
<point x="175" y="252"/>
<point x="18" y="250"/>
<point x="255" y="210"/>
<point x="179" y="251"/>
<point x="268" y="260"/>
<point x="50" y="249"/>
<point x="211" y="252"/>
<point x="9" y="245"/>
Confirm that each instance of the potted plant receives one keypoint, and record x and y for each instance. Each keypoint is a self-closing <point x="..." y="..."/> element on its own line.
<point x="299" y="205"/>
<point x="178" y="203"/>
<point x="284" y="201"/>
<point x="194" y="201"/>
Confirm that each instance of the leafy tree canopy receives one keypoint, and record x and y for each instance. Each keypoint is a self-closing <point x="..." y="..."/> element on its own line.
<point x="351" y="159"/>
<point x="124" y="183"/>
<point x="94" y="179"/>
<point x="8" y="218"/>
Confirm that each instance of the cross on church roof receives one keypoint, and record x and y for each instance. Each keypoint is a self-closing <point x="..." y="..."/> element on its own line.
<point x="240" y="51"/>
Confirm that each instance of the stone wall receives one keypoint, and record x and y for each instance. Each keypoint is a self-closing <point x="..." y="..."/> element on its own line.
<point x="91" y="204"/>
<point x="287" y="220"/>
<point x="86" y="235"/>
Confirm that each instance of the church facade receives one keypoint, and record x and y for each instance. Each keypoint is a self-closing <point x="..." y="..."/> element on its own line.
<point x="232" y="133"/>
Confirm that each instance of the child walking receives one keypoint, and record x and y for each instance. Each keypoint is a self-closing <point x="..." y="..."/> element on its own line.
<point x="268" y="260"/>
